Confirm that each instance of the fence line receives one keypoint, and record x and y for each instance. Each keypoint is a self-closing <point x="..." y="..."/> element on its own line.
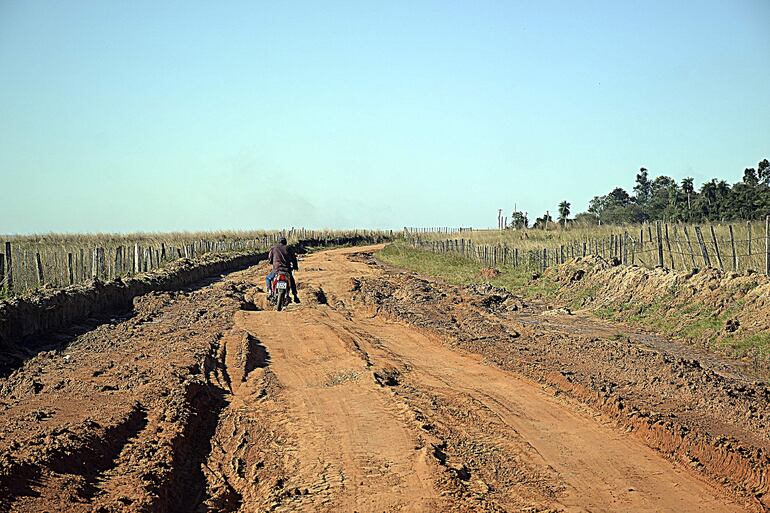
<point x="26" y="265"/>
<point x="412" y="230"/>
<point x="662" y="248"/>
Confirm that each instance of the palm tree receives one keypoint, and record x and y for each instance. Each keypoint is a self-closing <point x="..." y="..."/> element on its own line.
<point x="564" y="211"/>
<point x="688" y="186"/>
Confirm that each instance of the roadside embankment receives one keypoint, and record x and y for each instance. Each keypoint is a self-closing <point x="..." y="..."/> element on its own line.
<point x="724" y="311"/>
<point x="46" y="310"/>
<point x="729" y="312"/>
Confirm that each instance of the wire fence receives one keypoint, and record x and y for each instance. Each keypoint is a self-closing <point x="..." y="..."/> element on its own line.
<point x="29" y="263"/>
<point x="729" y="247"/>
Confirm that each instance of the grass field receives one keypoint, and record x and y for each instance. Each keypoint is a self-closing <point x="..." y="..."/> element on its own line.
<point x="460" y="271"/>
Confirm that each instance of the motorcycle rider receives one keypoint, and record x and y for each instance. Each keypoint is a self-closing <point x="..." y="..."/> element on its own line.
<point x="283" y="258"/>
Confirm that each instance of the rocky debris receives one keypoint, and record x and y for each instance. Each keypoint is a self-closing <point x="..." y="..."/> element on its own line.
<point x="558" y="311"/>
<point x="387" y="377"/>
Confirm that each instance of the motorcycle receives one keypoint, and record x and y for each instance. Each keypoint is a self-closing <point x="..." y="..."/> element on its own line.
<point x="280" y="292"/>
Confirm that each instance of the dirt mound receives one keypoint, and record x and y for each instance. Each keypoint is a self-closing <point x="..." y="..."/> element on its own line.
<point x="121" y="419"/>
<point x="489" y="272"/>
<point x="723" y="310"/>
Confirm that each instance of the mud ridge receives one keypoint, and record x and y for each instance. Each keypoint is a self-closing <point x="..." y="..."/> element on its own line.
<point x="185" y="486"/>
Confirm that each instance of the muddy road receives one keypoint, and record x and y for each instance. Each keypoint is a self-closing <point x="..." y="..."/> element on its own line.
<point x="380" y="392"/>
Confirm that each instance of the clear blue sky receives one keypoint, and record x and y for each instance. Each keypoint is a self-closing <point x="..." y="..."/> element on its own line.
<point x="144" y="115"/>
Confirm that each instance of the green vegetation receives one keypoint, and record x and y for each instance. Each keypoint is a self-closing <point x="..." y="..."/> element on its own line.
<point x="758" y="344"/>
<point x="662" y="198"/>
<point x="462" y="271"/>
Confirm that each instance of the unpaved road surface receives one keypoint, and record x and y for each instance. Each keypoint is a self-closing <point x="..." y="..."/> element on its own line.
<point x="365" y="397"/>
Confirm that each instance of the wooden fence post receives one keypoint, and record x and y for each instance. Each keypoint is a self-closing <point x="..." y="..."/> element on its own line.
<point x="39" y="267"/>
<point x="767" y="246"/>
<point x="716" y="247"/>
<point x="94" y="264"/>
<point x="137" y="259"/>
<point x="668" y="246"/>
<point x="625" y="247"/>
<point x="659" y="230"/>
<point x="679" y="247"/>
<point x="748" y="241"/>
<point x="8" y="267"/>
<point x="732" y="246"/>
<point x="702" y="244"/>
<point x="545" y="258"/>
<point x="689" y="245"/>
<point x="70" y="269"/>
<point x="2" y="270"/>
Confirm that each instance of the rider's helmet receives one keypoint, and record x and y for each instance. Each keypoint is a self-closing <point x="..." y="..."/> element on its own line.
<point x="283" y="240"/>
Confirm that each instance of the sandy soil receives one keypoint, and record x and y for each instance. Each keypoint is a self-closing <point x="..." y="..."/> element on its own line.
<point x="380" y="392"/>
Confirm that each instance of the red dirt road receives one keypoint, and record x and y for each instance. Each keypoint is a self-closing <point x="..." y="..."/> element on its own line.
<point x="363" y="444"/>
<point x="329" y="405"/>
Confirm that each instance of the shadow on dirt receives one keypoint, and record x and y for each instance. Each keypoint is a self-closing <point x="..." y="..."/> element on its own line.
<point x="320" y="296"/>
<point x="185" y="489"/>
<point x="85" y="466"/>
<point x="257" y="355"/>
<point x="13" y="355"/>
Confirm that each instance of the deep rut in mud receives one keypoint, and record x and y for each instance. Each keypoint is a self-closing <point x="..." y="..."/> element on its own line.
<point x="380" y="392"/>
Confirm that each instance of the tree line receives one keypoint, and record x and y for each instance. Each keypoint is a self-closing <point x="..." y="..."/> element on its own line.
<point x="664" y="199"/>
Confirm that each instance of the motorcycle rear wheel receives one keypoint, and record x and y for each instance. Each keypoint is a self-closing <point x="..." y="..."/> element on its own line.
<point x="280" y="299"/>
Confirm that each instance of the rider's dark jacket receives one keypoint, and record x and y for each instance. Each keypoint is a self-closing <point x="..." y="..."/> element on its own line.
<point x="282" y="257"/>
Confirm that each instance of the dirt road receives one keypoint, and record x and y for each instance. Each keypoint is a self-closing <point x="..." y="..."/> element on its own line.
<point x="327" y="406"/>
<point x="370" y="445"/>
